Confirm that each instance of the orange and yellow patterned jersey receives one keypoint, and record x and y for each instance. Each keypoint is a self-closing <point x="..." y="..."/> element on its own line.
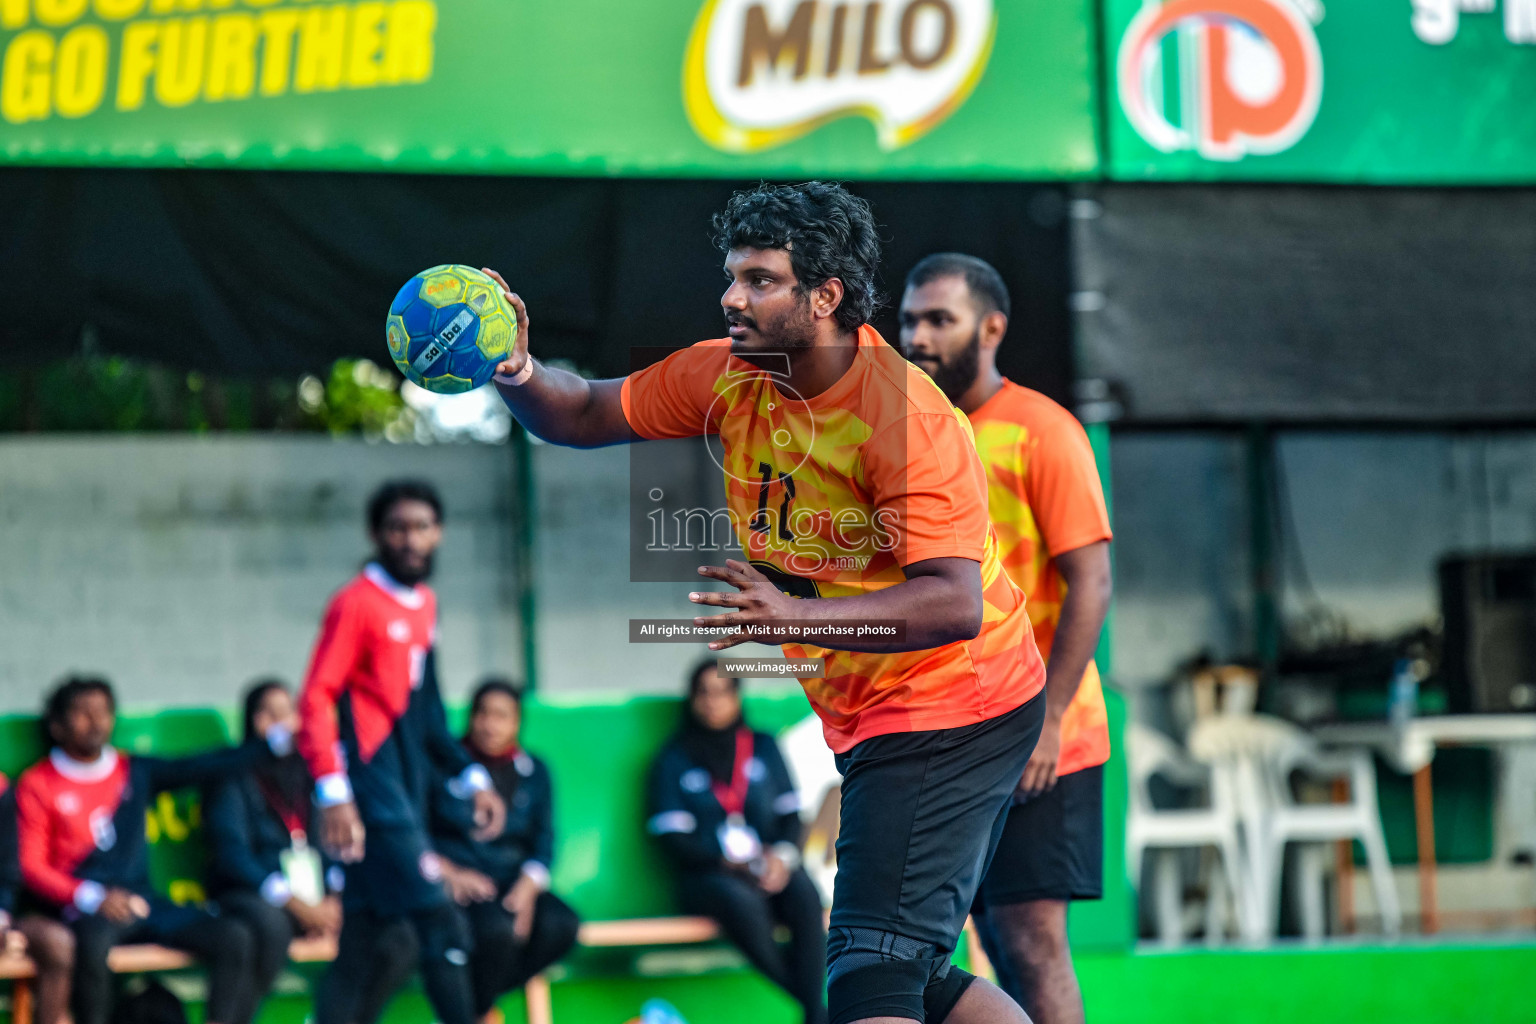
<point x="1044" y="494"/>
<point x="831" y="496"/>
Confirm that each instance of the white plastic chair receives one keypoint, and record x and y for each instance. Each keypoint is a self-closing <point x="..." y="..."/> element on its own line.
<point x="1289" y="821"/>
<point x="814" y="769"/>
<point x="1147" y="827"/>
<point x="1266" y="751"/>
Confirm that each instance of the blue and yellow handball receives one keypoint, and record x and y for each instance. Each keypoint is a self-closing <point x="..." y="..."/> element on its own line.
<point x="449" y="327"/>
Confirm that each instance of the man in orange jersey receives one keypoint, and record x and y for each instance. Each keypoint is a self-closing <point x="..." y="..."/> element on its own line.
<point x="856" y="492"/>
<point x="1048" y="512"/>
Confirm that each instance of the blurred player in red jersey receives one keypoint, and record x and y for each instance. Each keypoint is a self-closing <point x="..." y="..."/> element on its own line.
<point x="84" y="855"/>
<point x="856" y="492"/>
<point x="376" y="739"/>
<point x="1048" y="510"/>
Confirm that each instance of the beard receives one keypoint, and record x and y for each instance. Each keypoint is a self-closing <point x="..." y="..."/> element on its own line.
<point x="955" y="375"/>
<point x="406" y="574"/>
<point x="793" y="329"/>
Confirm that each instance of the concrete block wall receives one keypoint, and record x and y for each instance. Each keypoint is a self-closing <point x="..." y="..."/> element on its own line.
<point x="582" y="569"/>
<point x="182" y="567"/>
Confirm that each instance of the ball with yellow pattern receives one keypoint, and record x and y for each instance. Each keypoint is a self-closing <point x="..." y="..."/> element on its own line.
<point x="449" y="327"/>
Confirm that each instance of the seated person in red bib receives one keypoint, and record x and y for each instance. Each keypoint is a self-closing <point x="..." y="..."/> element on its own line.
<point x="80" y="816"/>
<point x="726" y="814"/>
<point x="519" y="926"/>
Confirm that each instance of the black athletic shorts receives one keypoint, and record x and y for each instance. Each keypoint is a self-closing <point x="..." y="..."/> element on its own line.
<point x="921" y="815"/>
<point x="1052" y="846"/>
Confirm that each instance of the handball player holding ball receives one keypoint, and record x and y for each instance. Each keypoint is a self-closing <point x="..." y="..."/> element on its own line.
<point x="932" y="728"/>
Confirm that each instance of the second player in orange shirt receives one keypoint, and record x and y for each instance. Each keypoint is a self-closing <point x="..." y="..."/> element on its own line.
<point x="1049" y="514"/>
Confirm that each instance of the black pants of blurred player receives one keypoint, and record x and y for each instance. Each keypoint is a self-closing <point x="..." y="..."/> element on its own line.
<point x="748" y="916"/>
<point x="222" y="945"/>
<point x="502" y="962"/>
<point x="380" y="969"/>
<point x="399" y="879"/>
<point x="374" y="959"/>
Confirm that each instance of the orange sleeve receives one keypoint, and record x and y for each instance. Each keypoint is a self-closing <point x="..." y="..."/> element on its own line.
<point x="676" y="397"/>
<point x="929" y="488"/>
<point x="1062" y="488"/>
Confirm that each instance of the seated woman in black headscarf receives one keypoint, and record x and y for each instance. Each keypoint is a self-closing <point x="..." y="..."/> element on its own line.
<point x="726" y="813"/>
<point x="519" y="926"/>
<point x="266" y="867"/>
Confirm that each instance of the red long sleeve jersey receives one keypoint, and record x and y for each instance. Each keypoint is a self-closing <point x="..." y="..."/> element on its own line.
<point x="372" y="649"/>
<point x="65" y="815"/>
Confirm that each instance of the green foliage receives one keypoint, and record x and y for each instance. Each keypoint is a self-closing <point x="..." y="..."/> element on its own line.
<point x="358" y="397"/>
<point x="109" y="394"/>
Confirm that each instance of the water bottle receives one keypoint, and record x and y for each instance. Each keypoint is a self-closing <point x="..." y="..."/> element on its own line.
<point x="1403" y="693"/>
<point x="659" y="1011"/>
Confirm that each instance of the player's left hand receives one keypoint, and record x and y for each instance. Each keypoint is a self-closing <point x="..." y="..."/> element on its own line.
<point x="757" y="603"/>
<point x="775" y="874"/>
<point x="328" y="915"/>
<point x="1040" y="772"/>
<point x="519" y="902"/>
<point x="342" y="832"/>
<point x="466" y="885"/>
<point x="10" y="942"/>
<point x="514" y="363"/>
<point x="490" y="815"/>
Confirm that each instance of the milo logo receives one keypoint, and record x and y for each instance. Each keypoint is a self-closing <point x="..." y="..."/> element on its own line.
<point x="760" y="73"/>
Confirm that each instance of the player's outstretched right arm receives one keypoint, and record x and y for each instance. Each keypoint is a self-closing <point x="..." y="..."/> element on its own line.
<point x="557" y="406"/>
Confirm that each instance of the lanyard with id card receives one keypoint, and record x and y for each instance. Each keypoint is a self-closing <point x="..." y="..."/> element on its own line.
<point x="300" y="863"/>
<point x="739" y="842"/>
<point x="302" y="870"/>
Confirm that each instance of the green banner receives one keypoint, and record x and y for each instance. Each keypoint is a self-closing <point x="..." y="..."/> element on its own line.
<point x="1413" y="91"/>
<point x="857" y="88"/>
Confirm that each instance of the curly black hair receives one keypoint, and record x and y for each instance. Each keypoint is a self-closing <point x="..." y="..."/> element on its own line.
<point x="496" y="684"/>
<point x="827" y="231"/>
<point x="395" y="491"/>
<point x="62" y="697"/>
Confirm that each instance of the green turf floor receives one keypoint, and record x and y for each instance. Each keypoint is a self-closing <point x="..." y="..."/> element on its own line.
<point x="1407" y="984"/>
<point x="1484" y="983"/>
<point x="1411" y="983"/>
<point x="1481" y="983"/>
